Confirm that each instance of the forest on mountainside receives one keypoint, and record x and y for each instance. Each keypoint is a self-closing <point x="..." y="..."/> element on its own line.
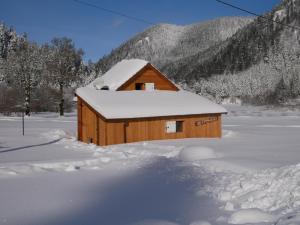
<point x="260" y="63"/>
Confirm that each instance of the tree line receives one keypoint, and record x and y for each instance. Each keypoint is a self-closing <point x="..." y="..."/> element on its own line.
<point x="37" y="78"/>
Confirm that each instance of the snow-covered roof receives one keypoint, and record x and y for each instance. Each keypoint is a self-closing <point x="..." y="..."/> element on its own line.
<point x="119" y="73"/>
<point x="139" y="104"/>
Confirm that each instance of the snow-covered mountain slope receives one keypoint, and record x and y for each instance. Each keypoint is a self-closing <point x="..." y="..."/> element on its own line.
<point x="165" y="43"/>
<point x="253" y="42"/>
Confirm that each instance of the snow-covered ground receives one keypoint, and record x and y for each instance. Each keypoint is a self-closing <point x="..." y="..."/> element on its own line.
<point x="250" y="176"/>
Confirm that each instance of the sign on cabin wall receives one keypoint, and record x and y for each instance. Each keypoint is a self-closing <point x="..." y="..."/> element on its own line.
<point x="205" y="121"/>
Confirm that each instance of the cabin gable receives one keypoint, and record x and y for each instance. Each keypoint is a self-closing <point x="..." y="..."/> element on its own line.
<point x="148" y="75"/>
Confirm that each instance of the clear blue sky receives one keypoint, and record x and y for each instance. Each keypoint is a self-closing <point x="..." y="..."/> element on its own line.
<point x="98" y="32"/>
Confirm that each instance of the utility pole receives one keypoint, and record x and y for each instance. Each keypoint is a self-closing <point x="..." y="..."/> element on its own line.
<point x="22" y="108"/>
<point x="23" y="122"/>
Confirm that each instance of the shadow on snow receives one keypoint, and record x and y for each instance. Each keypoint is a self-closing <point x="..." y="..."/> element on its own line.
<point x="29" y="146"/>
<point x="164" y="190"/>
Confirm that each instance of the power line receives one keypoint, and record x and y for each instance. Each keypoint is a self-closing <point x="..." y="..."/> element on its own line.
<point x="255" y="14"/>
<point x="141" y="20"/>
<point x="119" y="13"/>
<point x="115" y="12"/>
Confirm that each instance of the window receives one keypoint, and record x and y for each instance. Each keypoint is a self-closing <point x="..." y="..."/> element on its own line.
<point x="149" y="86"/>
<point x="179" y="126"/>
<point x="139" y="86"/>
<point x="174" y="126"/>
<point x="145" y="86"/>
<point x="105" y="87"/>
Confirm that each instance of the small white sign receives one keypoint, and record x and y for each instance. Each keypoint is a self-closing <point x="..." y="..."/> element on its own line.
<point x="171" y="126"/>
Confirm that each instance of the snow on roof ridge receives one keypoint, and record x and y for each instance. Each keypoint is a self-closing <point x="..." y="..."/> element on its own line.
<point x="134" y="59"/>
<point x="119" y="74"/>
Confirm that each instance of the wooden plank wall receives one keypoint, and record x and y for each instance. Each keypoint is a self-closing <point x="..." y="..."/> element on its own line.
<point x="115" y="133"/>
<point x="89" y="124"/>
<point x="154" y="129"/>
<point x="149" y="75"/>
<point x="102" y="136"/>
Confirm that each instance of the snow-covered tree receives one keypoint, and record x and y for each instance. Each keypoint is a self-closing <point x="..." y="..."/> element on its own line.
<point x="63" y="63"/>
<point x="8" y="40"/>
<point x="89" y="72"/>
<point x="23" y="68"/>
<point x="1" y="70"/>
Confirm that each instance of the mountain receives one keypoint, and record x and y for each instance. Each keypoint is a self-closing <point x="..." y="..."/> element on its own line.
<point x="165" y="43"/>
<point x="254" y="59"/>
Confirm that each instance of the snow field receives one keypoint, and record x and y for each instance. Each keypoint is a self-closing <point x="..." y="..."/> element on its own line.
<point x="274" y="190"/>
<point x="194" y="153"/>
<point x="127" y="155"/>
<point x="136" y="153"/>
<point x="253" y="216"/>
<point x="252" y="173"/>
<point x="263" y="196"/>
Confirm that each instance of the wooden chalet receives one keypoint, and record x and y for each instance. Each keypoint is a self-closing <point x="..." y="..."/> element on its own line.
<point x="134" y="102"/>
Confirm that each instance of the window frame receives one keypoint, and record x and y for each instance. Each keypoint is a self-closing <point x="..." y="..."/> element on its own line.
<point x="149" y="84"/>
<point x="140" y="85"/>
<point x="179" y="124"/>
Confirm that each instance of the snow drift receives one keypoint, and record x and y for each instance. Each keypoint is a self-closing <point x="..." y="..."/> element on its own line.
<point x="194" y="153"/>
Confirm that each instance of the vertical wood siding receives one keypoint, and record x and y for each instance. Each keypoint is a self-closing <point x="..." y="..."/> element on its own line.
<point x="101" y="131"/>
<point x="89" y="124"/>
<point x="155" y="128"/>
<point x="115" y="133"/>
